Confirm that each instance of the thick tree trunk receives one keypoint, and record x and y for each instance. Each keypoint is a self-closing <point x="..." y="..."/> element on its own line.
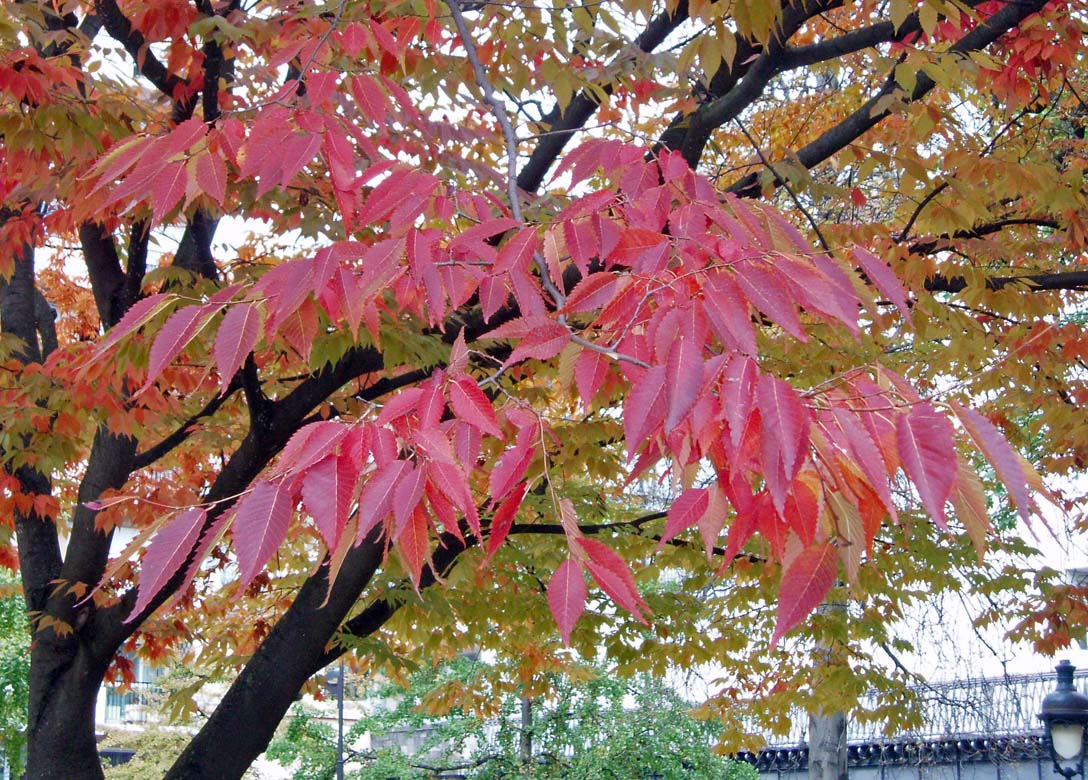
<point x="64" y="686"/>
<point x="244" y="721"/>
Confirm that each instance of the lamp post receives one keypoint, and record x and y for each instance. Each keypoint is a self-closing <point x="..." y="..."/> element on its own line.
<point x="334" y="681"/>
<point x="1064" y="715"/>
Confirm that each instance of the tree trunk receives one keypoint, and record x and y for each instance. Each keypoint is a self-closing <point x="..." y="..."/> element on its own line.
<point x="827" y="746"/>
<point x="64" y="685"/>
<point x="526" y="742"/>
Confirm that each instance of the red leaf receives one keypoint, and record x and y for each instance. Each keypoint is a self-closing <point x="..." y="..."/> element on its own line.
<point x="167" y="190"/>
<point x="640" y="249"/>
<point x="295" y="154"/>
<point x="805" y="583"/>
<point x="165" y="556"/>
<point x="513" y="464"/>
<point x="340" y="157"/>
<point x="414" y="542"/>
<point x="785" y="438"/>
<point x="542" y="344"/>
<point x="738" y="394"/>
<point x="517" y="252"/>
<point x="591" y="293"/>
<point x="453" y="483"/>
<point x="685" y="372"/>
<point x="767" y="291"/>
<point x="502" y="520"/>
<point x="685" y="512"/>
<point x="928" y="451"/>
<point x="729" y="314"/>
<point x="567" y="596"/>
<point x="590" y="371"/>
<point x="471" y="405"/>
<point x="138" y="315"/>
<point x="211" y="175"/>
<point x="175" y="335"/>
<point x="261" y="519"/>
<point x="458" y="355"/>
<point x="310" y="444"/>
<point x="1006" y="463"/>
<point x="327" y="492"/>
<point x="644" y="409"/>
<point x="885" y="280"/>
<point x="868" y="457"/>
<point x="184" y="135"/>
<point x="376" y="500"/>
<point x="394" y="191"/>
<point x="238" y="334"/>
<point x="407" y="495"/>
<point x="370" y="97"/>
<point x="611" y="572"/>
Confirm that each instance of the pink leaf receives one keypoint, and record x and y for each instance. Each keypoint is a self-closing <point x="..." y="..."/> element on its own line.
<point x="542" y="344"/>
<point x="414" y="542"/>
<point x="611" y="572"/>
<point x="928" y="451"/>
<point x="175" y="335"/>
<point x="376" y="500"/>
<point x="590" y="371"/>
<point x="884" y="279"/>
<point x="138" y="315"/>
<point x="406" y="495"/>
<point x="513" y="464"/>
<point x="471" y="405"/>
<point x="453" y="483"/>
<point x="767" y="291"/>
<point x="687" y="510"/>
<point x="503" y="519"/>
<point x="644" y="409"/>
<point x="238" y="334"/>
<point x="165" y="555"/>
<point x="310" y="444"/>
<point x="591" y="293"/>
<point x="685" y="372"/>
<point x="261" y="519"/>
<point x="805" y="583"/>
<point x="785" y="439"/>
<point x="1006" y="463"/>
<point x="567" y="596"/>
<point x="211" y="175"/>
<point x="327" y="491"/>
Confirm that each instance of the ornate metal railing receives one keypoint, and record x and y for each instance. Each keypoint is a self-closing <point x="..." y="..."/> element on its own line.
<point x="135" y="705"/>
<point x="982" y="707"/>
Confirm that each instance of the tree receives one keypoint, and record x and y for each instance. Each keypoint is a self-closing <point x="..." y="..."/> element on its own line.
<point x="14" y="675"/>
<point x="594" y="726"/>
<point x="820" y="251"/>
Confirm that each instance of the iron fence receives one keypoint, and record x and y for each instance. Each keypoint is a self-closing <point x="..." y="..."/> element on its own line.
<point x="984" y="707"/>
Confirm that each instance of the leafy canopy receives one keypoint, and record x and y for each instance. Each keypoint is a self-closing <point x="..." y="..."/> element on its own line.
<point x="334" y="302"/>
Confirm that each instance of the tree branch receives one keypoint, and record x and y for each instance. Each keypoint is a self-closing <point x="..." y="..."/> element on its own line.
<point x="1068" y="280"/>
<point x="563" y="124"/>
<point x="121" y="30"/>
<point x="869" y="114"/>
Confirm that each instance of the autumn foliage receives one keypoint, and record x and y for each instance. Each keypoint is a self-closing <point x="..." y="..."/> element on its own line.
<point x="324" y="298"/>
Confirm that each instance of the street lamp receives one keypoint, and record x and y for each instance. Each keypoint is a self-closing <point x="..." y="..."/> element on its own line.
<point x="1064" y="715"/>
<point x="334" y="682"/>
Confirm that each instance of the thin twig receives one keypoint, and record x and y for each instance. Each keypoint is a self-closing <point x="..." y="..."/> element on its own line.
<point x="498" y="109"/>
<point x="786" y="185"/>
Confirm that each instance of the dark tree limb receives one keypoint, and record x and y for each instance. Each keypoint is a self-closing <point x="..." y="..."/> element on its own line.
<point x="560" y="125"/>
<point x="871" y="114"/>
<point x="121" y="30"/>
<point x="104" y="271"/>
<point x="1075" y="281"/>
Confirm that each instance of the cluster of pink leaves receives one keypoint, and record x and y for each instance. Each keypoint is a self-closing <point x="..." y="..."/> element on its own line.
<point x="673" y="281"/>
